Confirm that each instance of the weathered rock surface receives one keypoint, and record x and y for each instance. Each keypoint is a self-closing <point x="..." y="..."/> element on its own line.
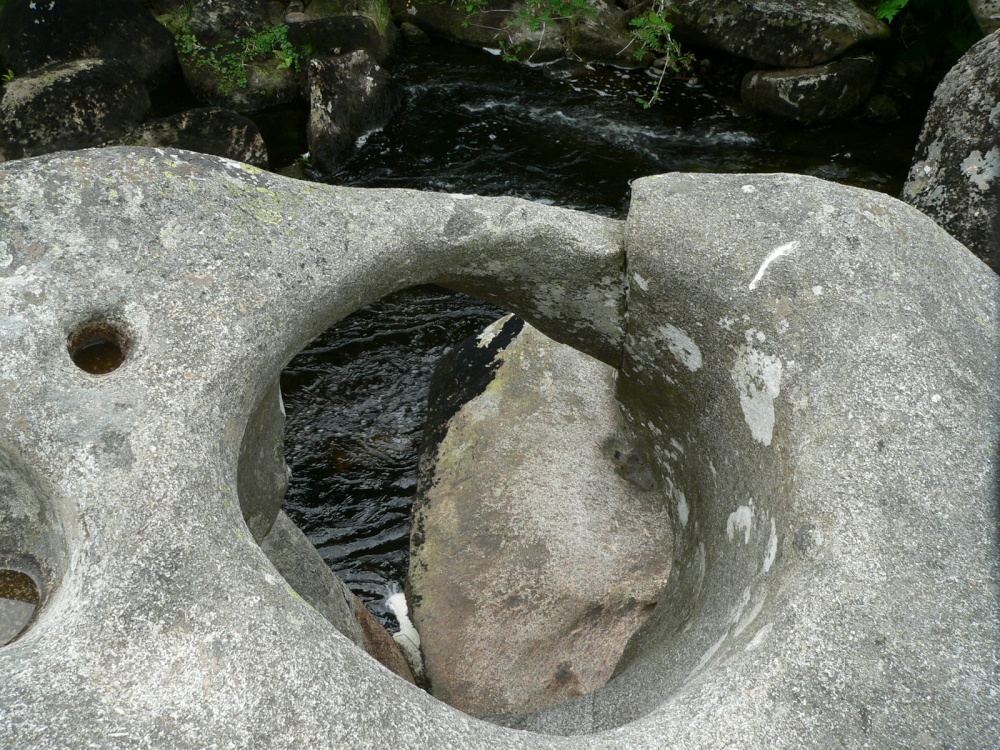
<point x="208" y="130"/>
<point x="955" y="174"/>
<point x="69" y="106"/>
<point x="35" y="34"/>
<point x="533" y="558"/>
<point x="348" y="96"/>
<point x="987" y="13"/>
<point x="603" y="37"/>
<point x="785" y="33"/>
<point x="338" y="35"/>
<point x="225" y="19"/>
<point x="304" y="569"/>
<point x="823" y="92"/>
<point x="817" y="407"/>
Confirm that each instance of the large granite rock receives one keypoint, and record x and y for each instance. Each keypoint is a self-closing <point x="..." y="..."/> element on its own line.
<point x="208" y="130"/>
<point x="822" y="92"/>
<point x="818" y="409"/>
<point x="70" y="105"/>
<point x="955" y="174"/>
<point x="35" y="34"/>
<point x="783" y="33"/>
<point x="539" y="545"/>
<point x="348" y="96"/>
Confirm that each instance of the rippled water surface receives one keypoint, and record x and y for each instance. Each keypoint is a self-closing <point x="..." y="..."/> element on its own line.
<point x="565" y="135"/>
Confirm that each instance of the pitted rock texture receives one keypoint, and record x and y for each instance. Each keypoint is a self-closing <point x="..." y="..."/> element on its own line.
<point x="955" y="174"/>
<point x="987" y="13"/>
<point x="783" y="33"/>
<point x="534" y="557"/>
<point x="823" y="92"/>
<point x="833" y="553"/>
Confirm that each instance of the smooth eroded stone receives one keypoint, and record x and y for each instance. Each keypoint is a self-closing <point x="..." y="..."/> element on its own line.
<point x="348" y="96"/>
<point x="811" y="373"/>
<point x="263" y="473"/>
<point x="604" y="37"/>
<point x="955" y="174"/>
<point x="539" y="543"/>
<point x="823" y="92"/>
<point x="304" y="569"/>
<point x="786" y="33"/>
<point x="69" y="106"/>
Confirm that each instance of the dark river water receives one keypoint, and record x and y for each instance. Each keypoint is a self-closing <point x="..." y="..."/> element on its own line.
<point x="566" y="135"/>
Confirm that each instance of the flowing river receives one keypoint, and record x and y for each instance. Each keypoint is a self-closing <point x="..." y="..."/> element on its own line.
<point x="566" y="135"/>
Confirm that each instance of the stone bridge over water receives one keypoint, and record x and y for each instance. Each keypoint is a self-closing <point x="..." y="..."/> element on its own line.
<point x="812" y="371"/>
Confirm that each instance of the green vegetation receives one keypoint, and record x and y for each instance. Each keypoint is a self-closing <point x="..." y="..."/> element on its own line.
<point x="652" y="33"/>
<point x="379" y="12"/>
<point x="230" y="61"/>
<point x="8" y="76"/>
<point x="889" y="9"/>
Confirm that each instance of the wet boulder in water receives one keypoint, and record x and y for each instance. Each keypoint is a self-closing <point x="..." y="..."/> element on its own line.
<point x="822" y="92"/>
<point x="70" y="106"/>
<point x="539" y="545"/>
<point x="784" y="33"/>
<point x="348" y="96"/>
<point x="955" y="174"/>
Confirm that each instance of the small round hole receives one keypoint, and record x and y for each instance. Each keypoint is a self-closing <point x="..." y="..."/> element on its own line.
<point x="98" y="348"/>
<point x="19" y="599"/>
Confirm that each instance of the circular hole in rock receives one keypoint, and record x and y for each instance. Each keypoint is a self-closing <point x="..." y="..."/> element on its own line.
<point x="19" y="599"/>
<point x="98" y="348"/>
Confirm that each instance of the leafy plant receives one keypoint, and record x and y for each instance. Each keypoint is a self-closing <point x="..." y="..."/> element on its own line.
<point x="651" y="31"/>
<point x="889" y="9"/>
<point x="8" y="76"/>
<point x="379" y="12"/>
<point x="230" y="61"/>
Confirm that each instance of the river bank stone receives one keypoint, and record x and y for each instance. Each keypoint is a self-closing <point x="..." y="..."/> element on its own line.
<point x="36" y="34"/>
<point x="533" y="557"/>
<point x="348" y="96"/>
<point x="783" y="33"/>
<point x="955" y="174"/>
<point x="822" y="92"/>
<point x="70" y="105"/>
<point x="208" y="130"/>
<point x="809" y="370"/>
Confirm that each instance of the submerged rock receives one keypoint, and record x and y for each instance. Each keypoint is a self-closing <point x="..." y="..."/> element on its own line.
<point x="823" y="92"/>
<point x="538" y="548"/>
<point x="955" y="174"/>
